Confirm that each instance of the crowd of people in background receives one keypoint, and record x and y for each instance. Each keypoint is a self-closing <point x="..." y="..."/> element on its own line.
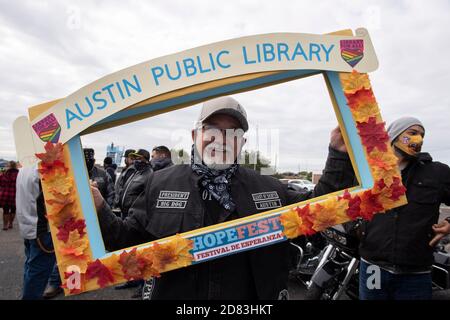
<point x="21" y="188"/>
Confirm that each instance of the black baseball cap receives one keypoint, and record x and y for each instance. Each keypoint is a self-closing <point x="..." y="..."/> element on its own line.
<point x="128" y="151"/>
<point x="89" y="153"/>
<point x="141" y="153"/>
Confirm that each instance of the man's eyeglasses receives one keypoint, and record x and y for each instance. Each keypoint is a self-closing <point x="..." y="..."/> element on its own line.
<point x="228" y="132"/>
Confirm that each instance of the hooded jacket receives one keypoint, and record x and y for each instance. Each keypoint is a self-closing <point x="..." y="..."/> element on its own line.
<point x="399" y="238"/>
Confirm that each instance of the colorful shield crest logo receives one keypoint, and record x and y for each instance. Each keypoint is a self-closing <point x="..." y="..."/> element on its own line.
<point x="352" y="51"/>
<point x="48" y="129"/>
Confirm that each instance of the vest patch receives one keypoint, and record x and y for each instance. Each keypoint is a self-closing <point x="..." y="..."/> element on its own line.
<point x="266" y="200"/>
<point x="172" y="199"/>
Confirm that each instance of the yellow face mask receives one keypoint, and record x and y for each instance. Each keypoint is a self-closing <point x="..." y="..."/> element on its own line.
<point x="410" y="144"/>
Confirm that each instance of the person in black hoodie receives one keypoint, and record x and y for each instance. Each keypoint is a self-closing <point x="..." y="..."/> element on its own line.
<point x="126" y="173"/>
<point x="110" y="168"/>
<point x="161" y="158"/>
<point x="136" y="182"/>
<point x="397" y="247"/>
<point x="132" y="188"/>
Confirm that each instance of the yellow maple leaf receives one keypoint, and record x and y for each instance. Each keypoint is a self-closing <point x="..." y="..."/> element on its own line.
<point x="383" y="166"/>
<point x="365" y="111"/>
<point x="75" y="245"/>
<point x="173" y="254"/>
<point x="382" y="160"/>
<point x="74" y="252"/>
<point x="112" y="263"/>
<point x="59" y="185"/>
<point x="149" y="257"/>
<point x="387" y="175"/>
<point x="354" y="81"/>
<point x="291" y="223"/>
<point x="66" y="261"/>
<point x="329" y="213"/>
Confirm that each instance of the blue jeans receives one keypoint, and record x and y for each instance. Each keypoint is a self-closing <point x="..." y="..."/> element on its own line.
<point x="38" y="267"/>
<point x="54" y="280"/>
<point x="378" y="284"/>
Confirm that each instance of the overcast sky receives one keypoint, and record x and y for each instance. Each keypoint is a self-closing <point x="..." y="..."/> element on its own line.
<point x="49" y="49"/>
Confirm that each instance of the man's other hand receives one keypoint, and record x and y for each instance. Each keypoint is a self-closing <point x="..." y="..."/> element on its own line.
<point x="98" y="199"/>
<point x="441" y="230"/>
<point x="337" y="140"/>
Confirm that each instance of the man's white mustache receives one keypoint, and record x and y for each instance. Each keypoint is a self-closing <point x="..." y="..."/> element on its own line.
<point x="218" y="147"/>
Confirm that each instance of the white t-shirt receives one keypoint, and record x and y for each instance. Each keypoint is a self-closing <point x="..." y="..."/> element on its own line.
<point x="27" y="191"/>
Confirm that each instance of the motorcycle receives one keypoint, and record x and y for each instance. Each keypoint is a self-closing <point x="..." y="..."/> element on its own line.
<point x="305" y="256"/>
<point x="337" y="273"/>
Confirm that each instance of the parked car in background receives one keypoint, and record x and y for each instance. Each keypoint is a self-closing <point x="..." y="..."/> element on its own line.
<point x="301" y="185"/>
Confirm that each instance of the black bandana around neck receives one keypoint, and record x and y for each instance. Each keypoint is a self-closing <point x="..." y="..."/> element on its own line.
<point x="217" y="182"/>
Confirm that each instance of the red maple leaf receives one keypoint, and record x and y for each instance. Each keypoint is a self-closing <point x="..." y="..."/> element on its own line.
<point x="53" y="152"/>
<point x="380" y="184"/>
<point x="397" y="188"/>
<point x="71" y="225"/>
<point x="132" y="265"/>
<point x="100" y="271"/>
<point x="52" y="158"/>
<point x="307" y="220"/>
<point x="373" y="135"/>
<point x="360" y="98"/>
<point x="370" y="204"/>
<point x="354" y="205"/>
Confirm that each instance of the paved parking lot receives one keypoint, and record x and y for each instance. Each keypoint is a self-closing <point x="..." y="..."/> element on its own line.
<point x="11" y="268"/>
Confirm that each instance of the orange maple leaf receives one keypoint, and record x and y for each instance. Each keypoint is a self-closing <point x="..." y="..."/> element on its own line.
<point x="307" y="220"/>
<point x="58" y="203"/>
<point x="75" y="245"/>
<point x="132" y="265"/>
<point x="323" y="218"/>
<point x="291" y="223"/>
<point x="360" y="98"/>
<point x="148" y="255"/>
<point x="52" y="161"/>
<point x="53" y="152"/>
<point x="354" y="81"/>
<point x="330" y="213"/>
<point x="172" y="254"/>
<point x="59" y="185"/>
<point x="370" y="204"/>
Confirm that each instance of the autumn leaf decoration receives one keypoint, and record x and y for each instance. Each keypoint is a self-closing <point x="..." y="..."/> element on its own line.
<point x="144" y="263"/>
<point x="72" y="246"/>
<point x="51" y="160"/>
<point x="388" y="190"/>
<point x="97" y="270"/>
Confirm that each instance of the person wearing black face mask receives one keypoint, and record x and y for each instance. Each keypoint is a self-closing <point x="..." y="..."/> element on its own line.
<point x="133" y="187"/>
<point x="99" y="176"/>
<point x="135" y="184"/>
<point x="161" y="158"/>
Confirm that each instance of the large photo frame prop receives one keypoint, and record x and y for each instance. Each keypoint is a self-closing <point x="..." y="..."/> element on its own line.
<point x="53" y="132"/>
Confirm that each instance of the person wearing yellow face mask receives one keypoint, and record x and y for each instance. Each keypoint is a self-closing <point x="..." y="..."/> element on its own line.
<point x="397" y="247"/>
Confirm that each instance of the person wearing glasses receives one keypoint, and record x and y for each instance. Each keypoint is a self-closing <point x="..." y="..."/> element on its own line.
<point x="214" y="189"/>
